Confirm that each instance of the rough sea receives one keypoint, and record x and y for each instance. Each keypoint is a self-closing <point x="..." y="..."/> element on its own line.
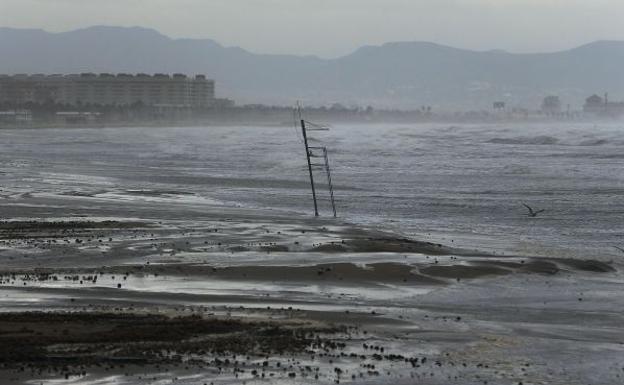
<point x="462" y="185"/>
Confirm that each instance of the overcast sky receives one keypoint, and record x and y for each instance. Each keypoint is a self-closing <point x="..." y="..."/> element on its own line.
<point x="332" y="28"/>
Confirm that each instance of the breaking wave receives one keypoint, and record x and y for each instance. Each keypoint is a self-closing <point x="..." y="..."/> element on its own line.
<point x="536" y="140"/>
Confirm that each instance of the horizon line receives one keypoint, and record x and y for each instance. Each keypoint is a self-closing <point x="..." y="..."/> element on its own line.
<point x="358" y="48"/>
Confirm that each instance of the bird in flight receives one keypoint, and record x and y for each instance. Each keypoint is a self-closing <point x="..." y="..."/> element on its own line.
<point x="619" y="248"/>
<point x="533" y="213"/>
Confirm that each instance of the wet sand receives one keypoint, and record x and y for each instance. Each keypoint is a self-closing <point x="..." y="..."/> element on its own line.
<point x="225" y="296"/>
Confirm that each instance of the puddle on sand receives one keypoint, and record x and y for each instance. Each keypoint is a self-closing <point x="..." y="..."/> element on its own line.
<point x="219" y="287"/>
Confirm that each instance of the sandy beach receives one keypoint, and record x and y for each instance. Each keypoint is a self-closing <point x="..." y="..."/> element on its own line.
<point x="133" y="301"/>
<point x="115" y="280"/>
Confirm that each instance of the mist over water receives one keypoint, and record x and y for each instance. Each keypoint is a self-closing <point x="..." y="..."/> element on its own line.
<point x="459" y="185"/>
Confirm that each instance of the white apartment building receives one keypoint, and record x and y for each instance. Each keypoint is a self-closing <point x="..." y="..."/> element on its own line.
<point x="159" y="90"/>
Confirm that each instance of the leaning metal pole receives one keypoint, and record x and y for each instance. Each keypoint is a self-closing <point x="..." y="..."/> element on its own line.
<point x="305" y="141"/>
<point x="329" y="181"/>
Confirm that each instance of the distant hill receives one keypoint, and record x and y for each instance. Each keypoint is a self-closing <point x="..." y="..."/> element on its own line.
<point x="403" y="75"/>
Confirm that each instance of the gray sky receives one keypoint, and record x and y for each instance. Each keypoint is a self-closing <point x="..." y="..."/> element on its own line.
<point x="332" y="28"/>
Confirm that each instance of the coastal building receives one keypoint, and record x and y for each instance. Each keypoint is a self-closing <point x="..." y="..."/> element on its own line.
<point x="159" y="90"/>
<point x="77" y="117"/>
<point x="499" y="106"/>
<point x="16" y="116"/>
<point x="551" y="105"/>
<point x="596" y="105"/>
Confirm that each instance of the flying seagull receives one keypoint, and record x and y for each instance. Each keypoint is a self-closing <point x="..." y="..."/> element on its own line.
<point x="533" y="213"/>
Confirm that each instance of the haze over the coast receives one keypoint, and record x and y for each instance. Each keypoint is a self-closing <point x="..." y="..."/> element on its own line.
<point x="394" y="75"/>
<point x="335" y="28"/>
<point x="326" y="47"/>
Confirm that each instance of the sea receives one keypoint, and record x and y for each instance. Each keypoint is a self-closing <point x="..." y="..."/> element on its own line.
<point x="464" y="185"/>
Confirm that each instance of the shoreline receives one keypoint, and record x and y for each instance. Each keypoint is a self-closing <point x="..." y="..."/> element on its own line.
<point x="324" y="316"/>
<point x="284" y="123"/>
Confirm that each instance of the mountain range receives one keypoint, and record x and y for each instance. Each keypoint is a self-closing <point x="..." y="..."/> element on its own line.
<point x="401" y="74"/>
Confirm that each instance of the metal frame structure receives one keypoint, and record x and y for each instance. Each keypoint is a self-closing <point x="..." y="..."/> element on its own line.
<point x="313" y="152"/>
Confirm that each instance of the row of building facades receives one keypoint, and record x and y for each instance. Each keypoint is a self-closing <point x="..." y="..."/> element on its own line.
<point x="159" y="90"/>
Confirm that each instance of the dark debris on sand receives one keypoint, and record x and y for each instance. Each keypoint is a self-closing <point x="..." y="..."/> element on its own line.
<point x="38" y="338"/>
